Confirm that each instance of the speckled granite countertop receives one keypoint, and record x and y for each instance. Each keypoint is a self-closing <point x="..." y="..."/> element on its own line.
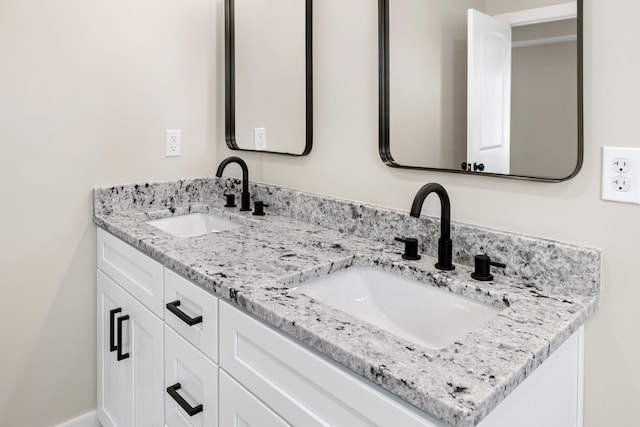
<point x="256" y="266"/>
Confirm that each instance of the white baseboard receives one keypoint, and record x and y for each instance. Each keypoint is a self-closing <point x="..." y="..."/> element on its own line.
<point x="89" y="419"/>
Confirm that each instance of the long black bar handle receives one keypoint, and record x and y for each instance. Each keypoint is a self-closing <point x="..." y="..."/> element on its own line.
<point x="119" y="355"/>
<point x="173" y="307"/>
<point x="191" y="410"/>
<point x="112" y="338"/>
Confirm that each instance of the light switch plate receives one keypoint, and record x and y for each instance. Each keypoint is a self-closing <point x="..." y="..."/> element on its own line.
<point x="621" y="174"/>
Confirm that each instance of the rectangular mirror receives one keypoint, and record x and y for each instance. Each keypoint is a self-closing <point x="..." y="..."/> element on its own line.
<point x="489" y="87"/>
<point x="268" y="75"/>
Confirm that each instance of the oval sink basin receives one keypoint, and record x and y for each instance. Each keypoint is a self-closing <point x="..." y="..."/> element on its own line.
<point x="409" y="309"/>
<point x="194" y="224"/>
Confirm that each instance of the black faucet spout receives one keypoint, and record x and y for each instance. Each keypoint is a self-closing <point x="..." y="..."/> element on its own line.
<point x="445" y="245"/>
<point x="246" y="201"/>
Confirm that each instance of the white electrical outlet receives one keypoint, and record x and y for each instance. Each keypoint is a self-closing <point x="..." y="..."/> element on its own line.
<point x="172" y="143"/>
<point x="260" y="138"/>
<point x="621" y="183"/>
<point x="620" y="174"/>
<point x="621" y="165"/>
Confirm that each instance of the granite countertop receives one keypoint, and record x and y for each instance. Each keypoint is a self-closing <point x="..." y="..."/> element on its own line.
<point x="256" y="267"/>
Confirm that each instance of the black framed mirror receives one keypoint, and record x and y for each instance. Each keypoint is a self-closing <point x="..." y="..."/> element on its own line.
<point x="268" y="76"/>
<point x="485" y="87"/>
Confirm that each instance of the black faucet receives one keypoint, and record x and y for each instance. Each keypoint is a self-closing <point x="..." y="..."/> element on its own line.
<point x="445" y="246"/>
<point x="246" y="204"/>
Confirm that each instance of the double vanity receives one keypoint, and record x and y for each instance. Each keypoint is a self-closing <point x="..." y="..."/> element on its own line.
<point x="228" y="303"/>
<point x="309" y="315"/>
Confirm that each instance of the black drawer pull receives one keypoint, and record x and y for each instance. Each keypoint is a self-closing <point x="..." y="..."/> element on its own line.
<point x="119" y="354"/>
<point x="191" y="410"/>
<point x="173" y="307"/>
<point x="112" y="338"/>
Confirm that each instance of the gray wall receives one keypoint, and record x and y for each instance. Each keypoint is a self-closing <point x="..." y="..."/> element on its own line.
<point x="87" y="91"/>
<point x="544" y="125"/>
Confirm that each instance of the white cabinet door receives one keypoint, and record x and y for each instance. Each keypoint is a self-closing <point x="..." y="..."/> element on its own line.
<point x="114" y="392"/>
<point x="191" y="384"/>
<point x="147" y="363"/>
<point x="239" y="408"/>
<point x="130" y="360"/>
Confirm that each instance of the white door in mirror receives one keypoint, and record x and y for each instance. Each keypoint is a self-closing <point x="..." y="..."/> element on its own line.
<point x="489" y="92"/>
<point x="621" y="174"/>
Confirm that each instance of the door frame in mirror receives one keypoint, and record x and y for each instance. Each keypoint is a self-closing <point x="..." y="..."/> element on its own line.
<point x="384" y="146"/>
<point x="230" y="96"/>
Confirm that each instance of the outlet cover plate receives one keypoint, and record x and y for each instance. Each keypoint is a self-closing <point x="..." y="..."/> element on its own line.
<point x="260" y="138"/>
<point x="621" y="174"/>
<point x="173" y="142"/>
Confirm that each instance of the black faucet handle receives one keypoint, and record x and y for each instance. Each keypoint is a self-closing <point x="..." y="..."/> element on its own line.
<point x="231" y="200"/>
<point x="258" y="208"/>
<point x="498" y="264"/>
<point x="410" y="248"/>
<point x="483" y="268"/>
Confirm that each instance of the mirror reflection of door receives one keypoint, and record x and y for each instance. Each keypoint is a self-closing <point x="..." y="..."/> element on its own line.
<point x="436" y="121"/>
<point x="489" y="92"/>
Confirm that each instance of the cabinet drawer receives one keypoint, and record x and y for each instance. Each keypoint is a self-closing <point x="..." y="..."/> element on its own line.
<point x="135" y="272"/>
<point x="188" y="302"/>
<point x="194" y="380"/>
<point x="276" y="368"/>
<point x="240" y="408"/>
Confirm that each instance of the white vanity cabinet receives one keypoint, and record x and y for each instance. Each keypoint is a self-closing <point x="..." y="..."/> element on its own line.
<point x="149" y="375"/>
<point x="192" y="360"/>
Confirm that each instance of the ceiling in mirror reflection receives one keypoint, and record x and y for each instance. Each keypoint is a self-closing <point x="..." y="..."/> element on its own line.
<point x="456" y="97"/>
<point x="270" y="76"/>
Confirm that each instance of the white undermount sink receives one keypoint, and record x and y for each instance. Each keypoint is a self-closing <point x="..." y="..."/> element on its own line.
<point x="419" y="313"/>
<point x="194" y="224"/>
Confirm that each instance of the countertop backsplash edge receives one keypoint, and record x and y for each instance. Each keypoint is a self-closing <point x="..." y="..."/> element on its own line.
<point x="562" y="267"/>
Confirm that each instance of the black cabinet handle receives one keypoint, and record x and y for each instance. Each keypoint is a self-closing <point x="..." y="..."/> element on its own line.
<point x="191" y="410"/>
<point x="119" y="355"/>
<point x="173" y="307"/>
<point x="112" y="338"/>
